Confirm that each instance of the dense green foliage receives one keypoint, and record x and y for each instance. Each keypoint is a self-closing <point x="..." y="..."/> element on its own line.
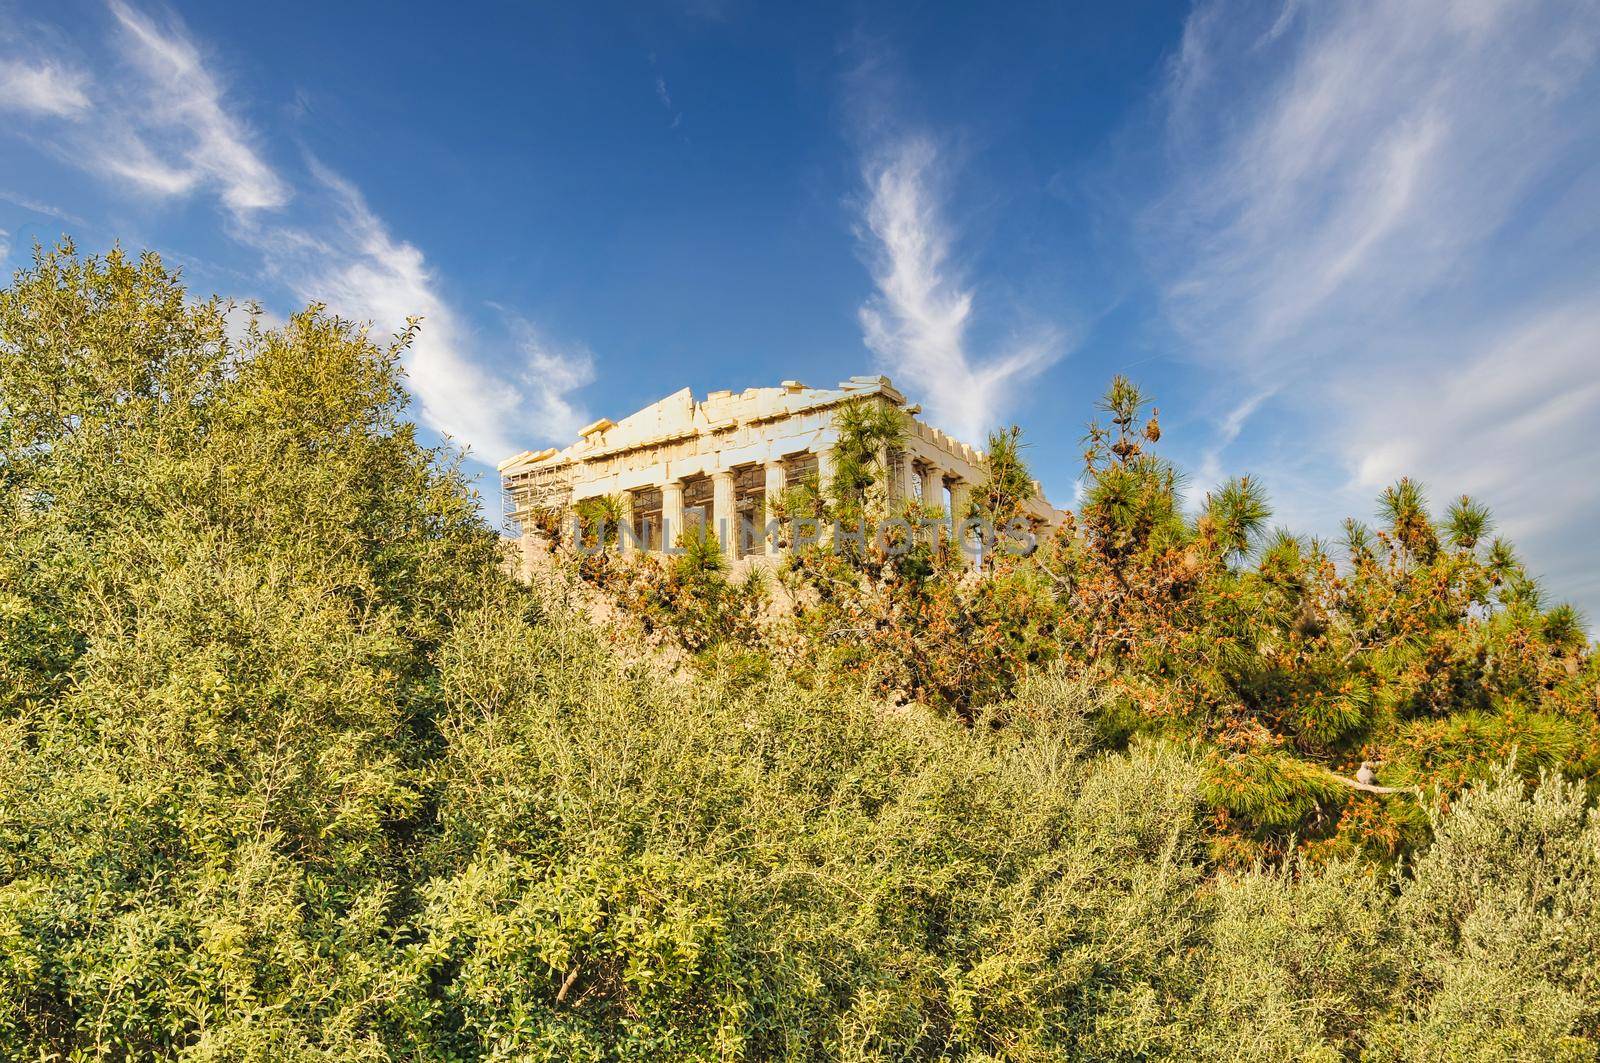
<point x="291" y="769"/>
<point x="1422" y="648"/>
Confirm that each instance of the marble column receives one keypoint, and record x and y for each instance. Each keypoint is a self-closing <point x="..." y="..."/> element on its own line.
<point x="907" y="474"/>
<point x="529" y="548"/>
<point x="776" y="482"/>
<point x="824" y="471"/>
<point x="960" y="502"/>
<point x="932" y="486"/>
<point x="626" y="540"/>
<point x="825" y="486"/>
<point x="723" y="517"/>
<point x="671" y="513"/>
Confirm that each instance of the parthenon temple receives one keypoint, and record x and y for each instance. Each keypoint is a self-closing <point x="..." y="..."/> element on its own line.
<point x="678" y="462"/>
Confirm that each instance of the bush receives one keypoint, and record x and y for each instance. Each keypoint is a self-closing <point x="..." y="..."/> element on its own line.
<point x="1502" y="920"/>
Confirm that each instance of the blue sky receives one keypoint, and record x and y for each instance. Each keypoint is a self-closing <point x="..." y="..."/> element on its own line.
<point x="1339" y="242"/>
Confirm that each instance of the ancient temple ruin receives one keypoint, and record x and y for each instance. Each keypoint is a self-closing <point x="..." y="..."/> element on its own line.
<point x="677" y="463"/>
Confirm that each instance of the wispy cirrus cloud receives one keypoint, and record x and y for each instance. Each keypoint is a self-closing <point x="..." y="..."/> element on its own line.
<point x="175" y="131"/>
<point x="1355" y="162"/>
<point x="1228" y="432"/>
<point x="37" y="206"/>
<point x="666" y="101"/>
<point x="167" y="129"/>
<point x="44" y="87"/>
<point x="1385" y="216"/>
<point x="1514" y="420"/>
<point x="919" y="321"/>
<point x="356" y="266"/>
<point x="550" y="377"/>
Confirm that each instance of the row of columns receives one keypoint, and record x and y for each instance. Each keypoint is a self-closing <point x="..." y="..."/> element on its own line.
<point x="722" y="501"/>
<point x="904" y="473"/>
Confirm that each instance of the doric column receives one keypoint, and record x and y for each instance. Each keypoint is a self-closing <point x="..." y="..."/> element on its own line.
<point x="932" y="486"/>
<point x="529" y="547"/>
<point x="671" y="513"/>
<point x="825" y="486"/>
<point x="907" y="472"/>
<point x="824" y="471"/>
<point x="625" y="533"/>
<point x="960" y="501"/>
<point x="722" y="515"/>
<point x="776" y="482"/>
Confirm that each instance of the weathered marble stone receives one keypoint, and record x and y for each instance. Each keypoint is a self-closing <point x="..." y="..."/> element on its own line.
<point x="745" y="445"/>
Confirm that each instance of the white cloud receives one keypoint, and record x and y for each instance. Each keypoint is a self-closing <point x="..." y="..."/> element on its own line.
<point x="180" y="105"/>
<point x="1359" y="195"/>
<point x="1228" y="432"/>
<point x="40" y="207"/>
<point x="550" y="378"/>
<point x="918" y="322"/>
<point x="1515" y="421"/>
<point x="1363" y="158"/>
<point x="363" y="272"/>
<point x="663" y="95"/>
<point x="44" y="88"/>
